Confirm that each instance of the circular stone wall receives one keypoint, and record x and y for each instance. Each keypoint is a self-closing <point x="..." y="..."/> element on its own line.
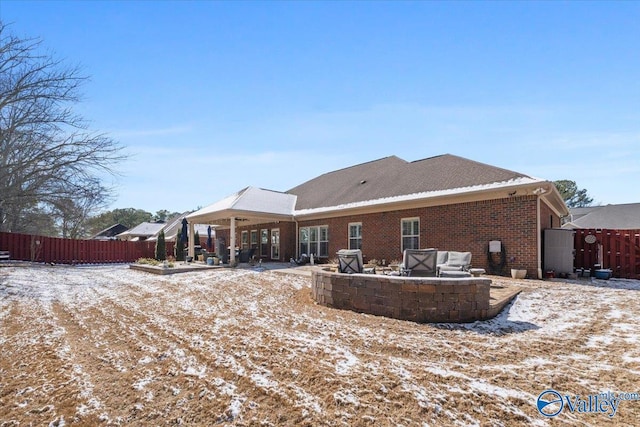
<point x="420" y="299"/>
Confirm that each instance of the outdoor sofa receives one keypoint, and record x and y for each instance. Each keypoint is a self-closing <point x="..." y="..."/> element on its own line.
<point x="451" y="261"/>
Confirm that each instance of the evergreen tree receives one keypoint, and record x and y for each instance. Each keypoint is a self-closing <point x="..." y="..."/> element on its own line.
<point x="161" y="247"/>
<point x="196" y="239"/>
<point x="572" y="195"/>
<point x="178" y="249"/>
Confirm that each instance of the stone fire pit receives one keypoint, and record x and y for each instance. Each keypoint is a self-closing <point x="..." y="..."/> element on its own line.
<point x="420" y="299"/>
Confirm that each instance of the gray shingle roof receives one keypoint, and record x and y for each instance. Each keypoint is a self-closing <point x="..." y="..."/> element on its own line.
<point x="392" y="176"/>
<point x="144" y="229"/>
<point x="614" y="217"/>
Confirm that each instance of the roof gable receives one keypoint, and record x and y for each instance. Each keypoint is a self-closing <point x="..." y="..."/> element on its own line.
<point x="249" y="202"/>
<point x="392" y="177"/>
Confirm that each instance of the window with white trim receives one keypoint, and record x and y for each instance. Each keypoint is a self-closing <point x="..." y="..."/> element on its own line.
<point x="264" y="242"/>
<point x="410" y="233"/>
<point x="314" y="240"/>
<point x="355" y="235"/>
<point x="254" y="238"/>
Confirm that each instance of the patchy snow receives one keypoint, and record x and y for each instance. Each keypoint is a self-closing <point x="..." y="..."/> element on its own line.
<point x="91" y="345"/>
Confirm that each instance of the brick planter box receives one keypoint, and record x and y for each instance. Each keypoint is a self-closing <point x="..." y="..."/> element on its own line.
<point x="418" y="299"/>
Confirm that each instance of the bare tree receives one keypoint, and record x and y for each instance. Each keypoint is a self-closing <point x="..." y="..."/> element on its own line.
<point x="48" y="157"/>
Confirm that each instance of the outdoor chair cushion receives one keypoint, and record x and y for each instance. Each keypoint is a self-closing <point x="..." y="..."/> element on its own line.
<point x="442" y="257"/>
<point x="419" y="262"/>
<point x="455" y="261"/>
<point x="350" y="261"/>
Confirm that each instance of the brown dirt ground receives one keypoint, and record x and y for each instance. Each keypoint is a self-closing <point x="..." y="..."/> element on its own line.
<point x="110" y="346"/>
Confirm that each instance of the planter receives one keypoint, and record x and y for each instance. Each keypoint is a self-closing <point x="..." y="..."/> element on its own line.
<point x="518" y="274"/>
<point x="603" y="273"/>
<point x="209" y="261"/>
<point x="216" y="260"/>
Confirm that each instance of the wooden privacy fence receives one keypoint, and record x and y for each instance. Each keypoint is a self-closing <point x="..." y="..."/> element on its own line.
<point x="618" y="250"/>
<point x="27" y="247"/>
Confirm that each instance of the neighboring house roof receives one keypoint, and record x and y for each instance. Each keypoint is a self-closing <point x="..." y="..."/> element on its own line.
<point x="145" y="229"/>
<point x="110" y="232"/>
<point x="613" y="217"/>
<point x="174" y="224"/>
<point x="576" y="213"/>
<point x="249" y="204"/>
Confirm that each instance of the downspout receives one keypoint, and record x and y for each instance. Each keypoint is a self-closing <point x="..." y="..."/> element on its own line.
<point x="539" y="237"/>
<point x="297" y="255"/>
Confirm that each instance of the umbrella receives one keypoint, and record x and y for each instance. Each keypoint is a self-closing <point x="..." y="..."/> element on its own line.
<point x="209" y="238"/>
<point x="184" y="237"/>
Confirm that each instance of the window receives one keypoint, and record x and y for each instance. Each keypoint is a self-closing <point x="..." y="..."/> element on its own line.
<point x="245" y="239"/>
<point x="264" y="242"/>
<point x="304" y="240"/>
<point x="254" y="238"/>
<point x="410" y="233"/>
<point x="324" y="241"/>
<point x="275" y="243"/>
<point x="314" y="240"/>
<point x="355" y="235"/>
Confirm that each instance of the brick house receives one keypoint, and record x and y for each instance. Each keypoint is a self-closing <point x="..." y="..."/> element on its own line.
<point x="385" y="206"/>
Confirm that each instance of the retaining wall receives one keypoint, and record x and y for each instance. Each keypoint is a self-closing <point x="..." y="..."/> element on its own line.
<point x="423" y="300"/>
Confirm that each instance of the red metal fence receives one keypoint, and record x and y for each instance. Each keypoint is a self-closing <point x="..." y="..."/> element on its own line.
<point x="618" y="250"/>
<point x="27" y="247"/>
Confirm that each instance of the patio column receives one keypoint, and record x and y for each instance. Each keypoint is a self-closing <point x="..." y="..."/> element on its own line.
<point x="232" y="251"/>
<point x="192" y="248"/>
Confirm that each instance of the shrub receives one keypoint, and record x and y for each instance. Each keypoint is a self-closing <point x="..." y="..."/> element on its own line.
<point x="161" y="247"/>
<point x="149" y="261"/>
<point x="178" y="251"/>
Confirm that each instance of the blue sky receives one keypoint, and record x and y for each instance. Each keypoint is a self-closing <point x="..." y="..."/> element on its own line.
<point x="210" y="97"/>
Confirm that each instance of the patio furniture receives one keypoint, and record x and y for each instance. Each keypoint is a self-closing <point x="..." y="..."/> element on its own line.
<point x="245" y="255"/>
<point x="350" y="262"/>
<point x="454" y="274"/>
<point x="477" y="272"/>
<point x="453" y="261"/>
<point x="419" y="262"/>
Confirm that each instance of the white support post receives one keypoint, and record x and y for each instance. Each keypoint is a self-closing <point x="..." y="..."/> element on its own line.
<point x="192" y="244"/>
<point x="232" y="251"/>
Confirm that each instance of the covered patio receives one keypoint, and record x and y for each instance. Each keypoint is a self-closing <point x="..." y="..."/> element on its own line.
<point x="248" y="206"/>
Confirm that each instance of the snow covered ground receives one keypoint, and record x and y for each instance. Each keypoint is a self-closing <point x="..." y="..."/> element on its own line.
<point x="108" y="345"/>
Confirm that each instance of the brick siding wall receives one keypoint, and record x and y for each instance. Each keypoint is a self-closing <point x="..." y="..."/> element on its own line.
<point x="287" y="238"/>
<point x="457" y="227"/>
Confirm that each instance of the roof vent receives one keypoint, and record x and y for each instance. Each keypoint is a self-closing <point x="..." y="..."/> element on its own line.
<point x="363" y="181"/>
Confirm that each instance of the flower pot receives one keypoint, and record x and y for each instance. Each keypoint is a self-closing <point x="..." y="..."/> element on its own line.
<point x="518" y="274"/>
<point x="603" y="273"/>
